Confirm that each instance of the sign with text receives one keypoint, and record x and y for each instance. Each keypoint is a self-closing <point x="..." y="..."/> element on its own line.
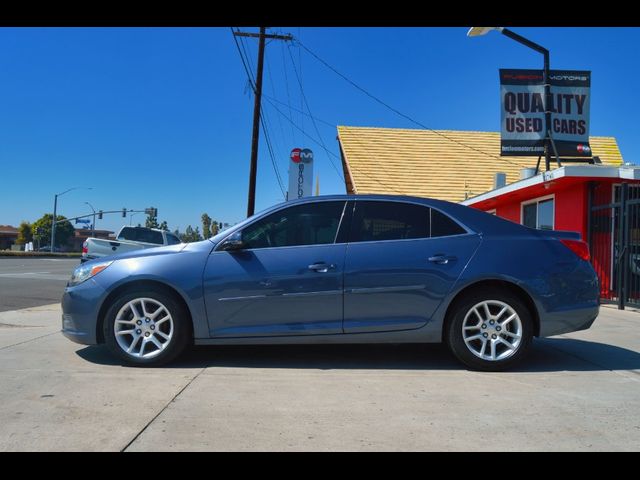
<point x="300" y="173"/>
<point x="522" y="112"/>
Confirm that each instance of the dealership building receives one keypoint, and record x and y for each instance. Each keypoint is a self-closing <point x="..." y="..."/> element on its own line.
<point x="600" y="200"/>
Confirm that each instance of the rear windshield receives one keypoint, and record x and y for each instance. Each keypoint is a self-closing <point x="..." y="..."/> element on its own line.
<point x="141" y="235"/>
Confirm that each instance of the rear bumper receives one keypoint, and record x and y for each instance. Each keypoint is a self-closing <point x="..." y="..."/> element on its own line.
<point x="557" y="323"/>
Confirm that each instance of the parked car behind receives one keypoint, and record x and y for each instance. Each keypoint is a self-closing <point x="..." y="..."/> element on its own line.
<point x="342" y="269"/>
<point x="47" y="248"/>
<point x="128" y="239"/>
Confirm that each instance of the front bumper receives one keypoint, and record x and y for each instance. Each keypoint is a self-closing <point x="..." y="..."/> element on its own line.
<point x="80" y="308"/>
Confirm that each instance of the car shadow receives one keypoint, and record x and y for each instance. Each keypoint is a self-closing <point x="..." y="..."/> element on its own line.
<point x="547" y="355"/>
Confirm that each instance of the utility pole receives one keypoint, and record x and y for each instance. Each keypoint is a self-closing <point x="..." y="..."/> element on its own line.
<point x="253" y="169"/>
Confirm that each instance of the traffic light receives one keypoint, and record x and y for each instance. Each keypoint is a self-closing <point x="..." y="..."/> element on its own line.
<point x="100" y="215"/>
<point x="124" y="212"/>
<point x="151" y="211"/>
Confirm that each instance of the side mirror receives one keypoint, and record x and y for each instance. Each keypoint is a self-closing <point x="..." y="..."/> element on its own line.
<point x="232" y="243"/>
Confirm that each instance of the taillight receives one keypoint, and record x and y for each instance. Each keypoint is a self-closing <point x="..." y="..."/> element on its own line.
<point x="578" y="247"/>
<point x="85" y="250"/>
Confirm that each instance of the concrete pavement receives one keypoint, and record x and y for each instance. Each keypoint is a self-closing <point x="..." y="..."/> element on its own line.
<point x="575" y="392"/>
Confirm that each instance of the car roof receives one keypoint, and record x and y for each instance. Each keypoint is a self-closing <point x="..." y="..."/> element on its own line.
<point x="474" y="219"/>
<point x="367" y="196"/>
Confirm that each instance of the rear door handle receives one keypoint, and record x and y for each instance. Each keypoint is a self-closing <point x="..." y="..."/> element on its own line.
<point x="321" y="267"/>
<point x="440" y="259"/>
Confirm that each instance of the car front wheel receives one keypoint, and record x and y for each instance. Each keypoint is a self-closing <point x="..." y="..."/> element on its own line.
<point x="490" y="330"/>
<point x="147" y="328"/>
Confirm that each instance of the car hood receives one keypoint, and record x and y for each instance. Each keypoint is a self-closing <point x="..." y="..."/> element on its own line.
<point x="155" y="251"/>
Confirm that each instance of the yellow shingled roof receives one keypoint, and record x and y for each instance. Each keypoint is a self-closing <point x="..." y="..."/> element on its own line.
<point x="442" y="164"/>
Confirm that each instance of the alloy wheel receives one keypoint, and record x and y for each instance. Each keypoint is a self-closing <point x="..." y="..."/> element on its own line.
<point x="492" y="330"/>
<point x="143" y="328"/>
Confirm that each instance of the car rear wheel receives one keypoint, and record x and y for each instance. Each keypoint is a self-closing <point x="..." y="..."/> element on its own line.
<point x="490" y="330"/>
<point x="146" y="327"/>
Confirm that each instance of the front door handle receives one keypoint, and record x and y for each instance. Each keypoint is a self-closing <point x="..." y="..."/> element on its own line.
<point x="440" y="259"/>
<point x="321" y="267"/>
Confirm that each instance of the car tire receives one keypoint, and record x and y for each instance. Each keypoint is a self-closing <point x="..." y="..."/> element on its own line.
<point x="489" y="330"/>
<point x="147" y="327"/>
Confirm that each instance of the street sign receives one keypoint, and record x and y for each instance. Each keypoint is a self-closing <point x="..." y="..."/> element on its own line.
<point x="86" y="221"/>
<point x="523" y="112"/>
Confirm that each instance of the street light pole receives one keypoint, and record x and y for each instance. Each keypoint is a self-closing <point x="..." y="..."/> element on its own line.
<point x="55" y="214"/>
<point x="478" y="31"/>
<point x="93" y="225"/>
<point x="53" y="221"/>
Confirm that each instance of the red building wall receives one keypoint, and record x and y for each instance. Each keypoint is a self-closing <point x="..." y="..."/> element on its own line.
<point x="570" y="208"/>
<point x="571" y="213"/>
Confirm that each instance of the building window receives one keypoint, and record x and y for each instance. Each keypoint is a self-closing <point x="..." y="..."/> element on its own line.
<point x="538" y="214"/>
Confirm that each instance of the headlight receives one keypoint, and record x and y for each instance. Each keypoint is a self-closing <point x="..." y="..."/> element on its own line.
<point x="85" y="272"/>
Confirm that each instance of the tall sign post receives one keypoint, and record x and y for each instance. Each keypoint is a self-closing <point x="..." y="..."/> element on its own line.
<point x="300" y="173"/>
<point x="479" y="31"/>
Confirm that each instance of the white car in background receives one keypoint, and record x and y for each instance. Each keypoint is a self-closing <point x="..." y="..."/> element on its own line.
<point x="128" y="238"/>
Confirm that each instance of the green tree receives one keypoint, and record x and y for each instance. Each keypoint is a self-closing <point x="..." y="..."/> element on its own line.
<point x="64" y="230"/>
<point x="191" y="235"/>
<point x="151" y="222"/>
<point x="206" y="226"/>
<point x="164" y="226"/>
<point x="24" y="233"/>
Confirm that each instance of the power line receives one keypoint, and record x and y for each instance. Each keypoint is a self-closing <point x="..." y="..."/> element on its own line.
<point x="273" y="90"/>
<point x="300" y="63"/>
<point x="329" y="151"/>
<point x="397" y="112"/>
<point x="244" y="64"/>
<point x="302" y="131"/>
<point x="271" y="154"/>
<point x="329" y="124"/>
<point x="286" y="83"/>
<point x="315" y="126"/>
<point x="248" y="58"/>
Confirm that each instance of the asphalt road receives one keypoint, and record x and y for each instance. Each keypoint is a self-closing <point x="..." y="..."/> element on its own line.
<point x="30" y="282"/>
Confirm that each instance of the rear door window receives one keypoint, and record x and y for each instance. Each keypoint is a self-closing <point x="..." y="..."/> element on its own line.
<point x="376" y="221"/>
<point x="443" y="226"/>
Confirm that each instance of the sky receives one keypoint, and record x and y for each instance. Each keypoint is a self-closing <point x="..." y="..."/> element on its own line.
<point x="162" y="117"/>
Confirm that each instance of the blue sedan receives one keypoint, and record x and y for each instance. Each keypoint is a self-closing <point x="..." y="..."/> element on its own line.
<point x="342" y="269"/>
